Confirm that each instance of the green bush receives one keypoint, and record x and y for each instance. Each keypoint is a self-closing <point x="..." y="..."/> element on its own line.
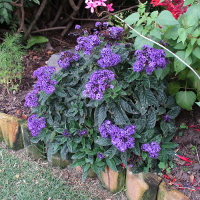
<point x="68" y="119"/>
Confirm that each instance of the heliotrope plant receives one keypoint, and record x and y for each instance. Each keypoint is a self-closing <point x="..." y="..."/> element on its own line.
<point x="105" y="106"/>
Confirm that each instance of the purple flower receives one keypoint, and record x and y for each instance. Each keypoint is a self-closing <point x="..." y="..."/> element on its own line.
<point x="82" y="132"/>
<point x="166" y="118"/>
<point x="115" y="32"/>
<point x="99" y="82"/>
<point x="35" y="124"/>
<point x="108" y="58"/>
<point x="44" y="82"/>
<point x="87" y="43"/>
<point x="100" y="155"/>
<point x="66" y="58"/>
<point x="121" y="138"/>
<point x="149" y="59"/>
<point x="31" y="99"/>
<point x="105" y="24"/>
<point x="97" y="24"/>
<point x="153" y="149"/>
<point x="77" y="27"/>
<point x="66" y="133"/>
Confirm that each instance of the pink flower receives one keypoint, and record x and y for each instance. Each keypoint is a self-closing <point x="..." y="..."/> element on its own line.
<point x="109" y="6"/>
<point x="101" y="2"/>
<point x="91" y="5"/>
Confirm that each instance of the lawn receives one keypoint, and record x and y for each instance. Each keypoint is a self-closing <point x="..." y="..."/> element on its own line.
<point x="23" y="180"/>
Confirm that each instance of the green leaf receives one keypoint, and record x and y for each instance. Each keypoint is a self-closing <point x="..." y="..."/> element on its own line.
<point x="111" y="152"/>
<point x="133" y="18"/>
<point x="119" y="115"/>
<point x="111" y="164"/>
<point x="196" y="52"/>
<point x="193" y="79"/>
<point x="78" y="156"/>
<point x="182" y="35"/>
<point x="63" y="152"/>
<point x="186" y="99"/>
<point x="162" y="165"/>
<point x="36" y="1"/>
<point x="136" y="149"/>
<point x="102" y="114"/>
<point x="36" y="40"/>
<point x="162" y="73"/>
<point x="154" y="14"/>
<point x="127" y="107"/>
<point x="78" y="163"/>
<point x="156" y="33"/>
<point x="178" y="65"/>
<point x="151" y="98"/>
<point x="169" y="145"/>
<point x="140" y="42"/>
<point x="188" y="2"/>
<point x="124" y="158"/>
<point x="174" y="112"/>
<point x="166" y="18"/>
<point x="174" y="87"/>
<point x="103" y="141"/>
<point x="151" y="119"/>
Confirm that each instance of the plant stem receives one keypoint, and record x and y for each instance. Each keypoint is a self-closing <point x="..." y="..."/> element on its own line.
<point x="159" y="45"/>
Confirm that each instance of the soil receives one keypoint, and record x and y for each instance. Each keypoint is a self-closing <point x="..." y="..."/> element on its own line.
<point x="185" y="176"/>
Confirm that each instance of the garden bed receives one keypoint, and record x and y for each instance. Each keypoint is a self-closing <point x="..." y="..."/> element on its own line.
<point x="182" y="176"/>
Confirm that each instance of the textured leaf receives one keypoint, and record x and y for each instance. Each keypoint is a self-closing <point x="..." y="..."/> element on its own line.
<point x="136" y="149"/>
<point x="111" y="152"/>
<point x="186" y="99"/>
<point x="162" y="73"/>
<point x="174" y="112"/>
<point x="127" y="107"/>
<point x="63" y="152"/>
<point x="124" y="158"/>
<point x="119" y="116"/>
<point x="111" y="164"/>
<point x="151" y="119"/>
<point x="151" y="98"/>
<point x="102" y="114"/>
<point x="103" y="141"/>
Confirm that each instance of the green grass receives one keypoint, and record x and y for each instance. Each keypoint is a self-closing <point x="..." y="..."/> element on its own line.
<point x="23" y="180"/>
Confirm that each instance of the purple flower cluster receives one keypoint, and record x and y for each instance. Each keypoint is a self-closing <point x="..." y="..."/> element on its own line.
<point x="108" y="58"/>
<point x="149" y="59"/>
<point x="31" y="99"/>
<point x="153" y="149"/>
<point x="77" y="27"/>
<point x="87" y="43"/>
<point x="44" y="82"/>
<point x="66" y="58"/>
<point x="101" y="155"/>
<point x="166" y="118"/>
<point x="35" y="124"/>
<point x="121" y="138"/>
<point x="115" y="32"/>
<point x="99" y="82"/>
<point x="82" y="132"/>
<point x="66" y="133"/>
